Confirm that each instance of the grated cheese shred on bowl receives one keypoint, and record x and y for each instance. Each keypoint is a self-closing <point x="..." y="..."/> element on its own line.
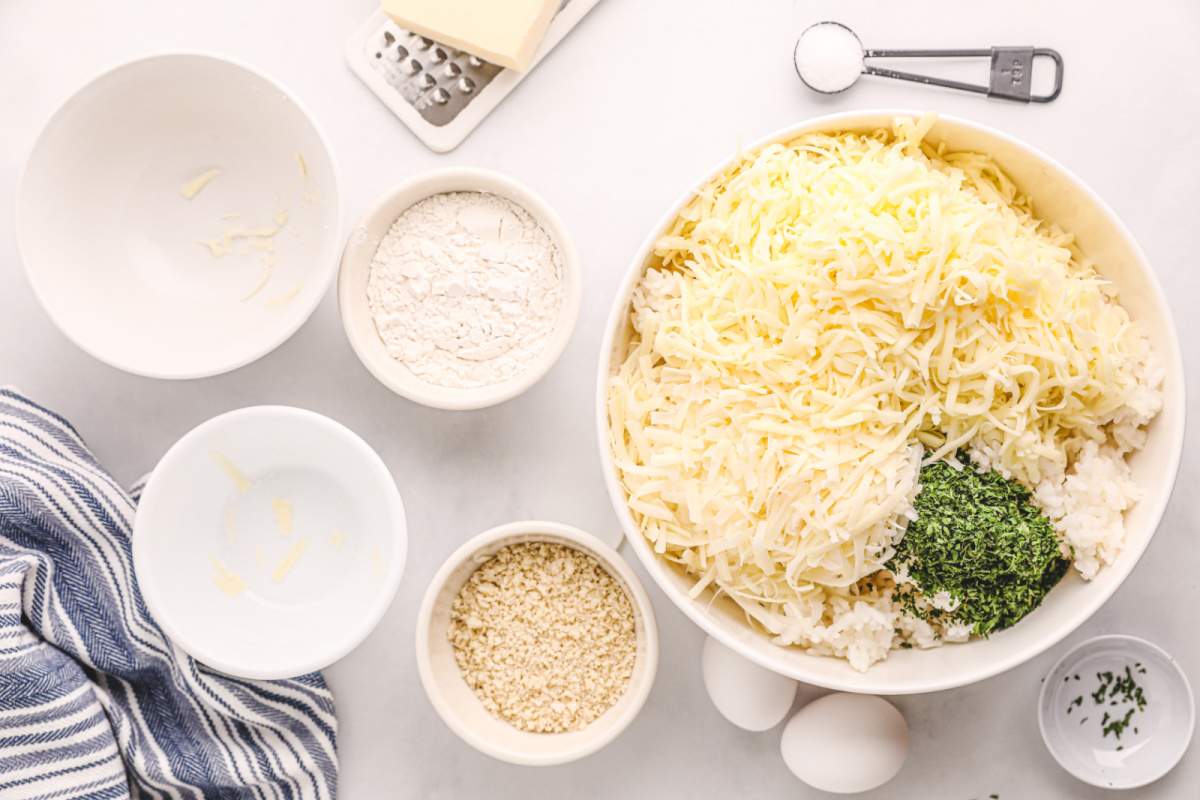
<point x="820" y="318"/>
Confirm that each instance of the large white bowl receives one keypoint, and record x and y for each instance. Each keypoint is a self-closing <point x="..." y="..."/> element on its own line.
<point x="112" y="248"/>
<point x="1062" y="198"/>
<point x="314" y="588"/>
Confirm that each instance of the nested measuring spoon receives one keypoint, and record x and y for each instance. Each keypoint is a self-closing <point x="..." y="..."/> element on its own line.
<point x="830" y="58"/>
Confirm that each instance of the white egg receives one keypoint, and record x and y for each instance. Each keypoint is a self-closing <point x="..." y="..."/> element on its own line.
<point x="845" y="743"/>
<point x="746" y="694"/>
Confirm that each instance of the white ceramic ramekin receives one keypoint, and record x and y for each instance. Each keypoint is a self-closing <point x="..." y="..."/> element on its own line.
<point x="457" y="704"/>
<point x="1154" y="741"/>
<point x="1058" y="197"/>
<point x="364" y="240"/>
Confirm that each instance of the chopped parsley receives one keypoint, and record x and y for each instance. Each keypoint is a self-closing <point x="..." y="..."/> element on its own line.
<point x="978" y="539"/>
<point x="1118" y="726"/>
<point x="1116" y="689"/>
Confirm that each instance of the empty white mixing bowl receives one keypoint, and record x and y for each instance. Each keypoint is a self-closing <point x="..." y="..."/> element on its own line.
<point x="115" y="250"/>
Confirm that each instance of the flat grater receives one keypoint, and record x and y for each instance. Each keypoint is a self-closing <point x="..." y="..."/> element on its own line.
<point x="440" y="93"/>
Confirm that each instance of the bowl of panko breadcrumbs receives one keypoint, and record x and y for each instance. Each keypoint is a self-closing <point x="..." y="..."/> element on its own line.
<point x="536" y="644"/>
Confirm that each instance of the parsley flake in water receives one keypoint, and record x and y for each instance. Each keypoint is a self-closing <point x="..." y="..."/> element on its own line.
<point x="980" y="542"/>
<point x="1119" y="689"/>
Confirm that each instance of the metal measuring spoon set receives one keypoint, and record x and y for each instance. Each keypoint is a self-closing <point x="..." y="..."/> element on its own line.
<point x="830" y="58"/>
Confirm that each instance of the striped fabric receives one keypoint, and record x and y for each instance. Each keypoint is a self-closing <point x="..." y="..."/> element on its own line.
<point x="95" y="701"/>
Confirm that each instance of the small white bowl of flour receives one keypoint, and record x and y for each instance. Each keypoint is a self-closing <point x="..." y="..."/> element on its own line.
<point x="460" y="289"/>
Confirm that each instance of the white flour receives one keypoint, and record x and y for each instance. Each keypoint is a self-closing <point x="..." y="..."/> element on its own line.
<point x="465" y="289"/>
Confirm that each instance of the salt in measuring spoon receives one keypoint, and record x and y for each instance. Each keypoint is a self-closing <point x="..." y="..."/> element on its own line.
<point x="830" y="58"/>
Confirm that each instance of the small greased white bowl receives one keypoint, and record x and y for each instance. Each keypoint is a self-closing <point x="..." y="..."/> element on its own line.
<point x="1071" y="719"/>
<point x="269" y="542"/>
<point x="1058" y="197"/>
<point x="116" y="253"/>
<point x="454" y="700"/>
<point x="364" y="240"/>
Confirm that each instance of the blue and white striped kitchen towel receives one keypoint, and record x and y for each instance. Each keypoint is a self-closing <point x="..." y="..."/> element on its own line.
<point x="94" y="700"/>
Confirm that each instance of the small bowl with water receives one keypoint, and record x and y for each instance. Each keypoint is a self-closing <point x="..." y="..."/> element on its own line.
<point x="1117" y="712"/>
<point x="269" y="542"/>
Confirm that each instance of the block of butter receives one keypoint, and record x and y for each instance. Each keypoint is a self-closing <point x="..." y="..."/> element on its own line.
<point x="504" y="32"/>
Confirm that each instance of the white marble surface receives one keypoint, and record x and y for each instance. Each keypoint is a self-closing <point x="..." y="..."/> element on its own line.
<point x="629" y="110"/>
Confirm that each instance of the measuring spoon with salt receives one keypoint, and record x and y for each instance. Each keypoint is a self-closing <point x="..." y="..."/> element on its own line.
<point x="830" y="58"/>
